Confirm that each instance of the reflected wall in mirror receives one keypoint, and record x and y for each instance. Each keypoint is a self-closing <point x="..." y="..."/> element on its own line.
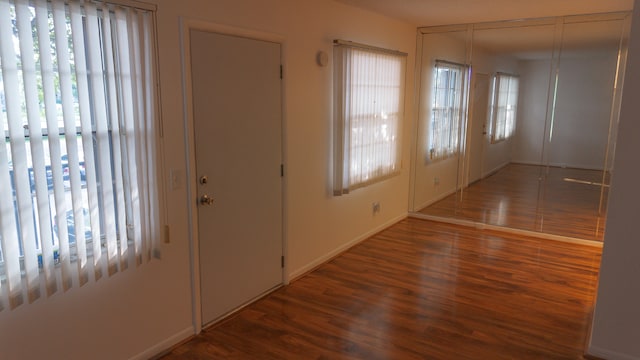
<point x="535" y="123"/>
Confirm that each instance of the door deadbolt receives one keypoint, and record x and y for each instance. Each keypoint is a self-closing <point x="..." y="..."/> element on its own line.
<point x="206" y="200"/>
<point x="204" y="179"/>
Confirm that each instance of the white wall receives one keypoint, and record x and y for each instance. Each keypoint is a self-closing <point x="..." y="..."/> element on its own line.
<point x="142" y="311"/>
<point x="532" y="111"/>
<point x="616" y="322"/>
<point x="583" y="110"/>
<point x="582" y="113"/>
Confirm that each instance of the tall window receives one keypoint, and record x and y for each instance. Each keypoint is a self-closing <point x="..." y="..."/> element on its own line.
<point x="369" y="99"/>
<point x="504" y="106"/>
<point x="77" y="170"/>
<point x="449" y="91"/>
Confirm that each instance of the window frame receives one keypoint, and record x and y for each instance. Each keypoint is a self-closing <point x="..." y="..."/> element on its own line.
<point x="502" y="124"/>
<point x="378" y="128"/>
<point x="123" y="249"/>
<point x="445" y="142"/>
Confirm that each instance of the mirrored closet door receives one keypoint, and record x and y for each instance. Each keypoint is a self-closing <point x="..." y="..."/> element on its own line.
<point x="517" y="123"/>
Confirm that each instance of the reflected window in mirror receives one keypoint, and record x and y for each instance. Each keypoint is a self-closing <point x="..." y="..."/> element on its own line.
<point x="504" y="105"/>
<point x="449" y="89"/>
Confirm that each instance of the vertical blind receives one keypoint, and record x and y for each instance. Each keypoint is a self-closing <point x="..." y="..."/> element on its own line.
<point x="78" y="196"/>
<point x="368" y="110"/>
<point x="504" y="105"/>
<point x="448" y="108"/>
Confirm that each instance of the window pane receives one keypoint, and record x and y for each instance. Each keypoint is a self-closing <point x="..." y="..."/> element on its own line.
<point x="446" y="110"/>
<point x="370" y="90"/>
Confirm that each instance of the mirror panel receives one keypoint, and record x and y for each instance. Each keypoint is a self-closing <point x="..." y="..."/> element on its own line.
<point x="436" y="165"/>
<point x="579" y="167"/>
<point x="550" y="172"/>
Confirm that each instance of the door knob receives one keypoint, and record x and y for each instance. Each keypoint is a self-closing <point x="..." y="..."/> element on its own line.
<point x="206" y="200"/>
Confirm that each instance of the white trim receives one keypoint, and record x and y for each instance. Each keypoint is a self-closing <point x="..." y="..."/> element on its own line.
<point x="556" y="165"/>
<point x="189" y="175"/>
<point x="436" y="199"/>
<point x="187" y="24"/>
<point x="332" y="254"/>
<point x="609" y="354"/>
<point x="164" y="345"/>
<point x="493" y="171"/>
<point x="483" y="226"/>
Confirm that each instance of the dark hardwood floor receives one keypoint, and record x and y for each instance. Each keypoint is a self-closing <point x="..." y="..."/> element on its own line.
<point x="422" y="290"/>
<point x="565" y="203"/>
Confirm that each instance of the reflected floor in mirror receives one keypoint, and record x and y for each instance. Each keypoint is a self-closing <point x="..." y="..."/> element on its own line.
<point x="422" y="290"/>
<point x="566" y="202"/>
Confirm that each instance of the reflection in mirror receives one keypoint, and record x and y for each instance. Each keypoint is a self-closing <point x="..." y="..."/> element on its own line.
<point x="444" y="83"/>
<point x="536" y="152"/>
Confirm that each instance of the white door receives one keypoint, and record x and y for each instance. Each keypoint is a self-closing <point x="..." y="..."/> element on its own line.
<point x="238" y="133"/>
<point x="478" y="126"/>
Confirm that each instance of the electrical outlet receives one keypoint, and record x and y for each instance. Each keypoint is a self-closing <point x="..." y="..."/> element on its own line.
<point x="436" y="181"/>
<point x="376" y="207"/>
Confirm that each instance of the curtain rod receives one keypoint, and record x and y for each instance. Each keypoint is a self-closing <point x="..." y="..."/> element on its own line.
<point x="507" y="74"/>
<point x="451" y="63"/>
<point x="367" y="47"/>
<point x="141" y="5"/>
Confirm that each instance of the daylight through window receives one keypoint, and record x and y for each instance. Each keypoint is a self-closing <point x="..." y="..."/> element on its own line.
<point x="449" y="91"/>
<point x="368" y="106"/>
<point x="77" y="171"/>
<point x="504" y="106"/>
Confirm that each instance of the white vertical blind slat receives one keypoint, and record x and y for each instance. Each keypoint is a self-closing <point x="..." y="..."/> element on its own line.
<point x="71" y="146"/>
<point x="79" y="58"/>
<point x="143" y="144"/>
<point x="103" y="166"/>
<point x="151" y="188"/>
<point x="8" y="230"/>
<point x="37" y="150"/>
<point x="48" y="88"/>
<point x="135" y="161"/>
<point x="13" y="87"/>
<point x="126" y="115"/>
<point x="128" y="128"/>
<point x="112" y="96"/>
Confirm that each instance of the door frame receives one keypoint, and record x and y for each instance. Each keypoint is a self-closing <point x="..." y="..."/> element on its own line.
<point x="473" y="117"/>
<point x="186" y="25"/>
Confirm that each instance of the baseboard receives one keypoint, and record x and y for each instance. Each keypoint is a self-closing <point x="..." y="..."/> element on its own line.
<point x="483" y="226"/>
<point x="494" y="170"/>
<point x="608" y="354"/>
<point x="436" y="199"/>
<point x="164" y="345"/>
<point x="558" y="165"/>
<point x="323" y="259"/>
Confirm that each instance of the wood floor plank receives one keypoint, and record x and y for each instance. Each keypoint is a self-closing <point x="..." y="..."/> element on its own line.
<point x="560" y="201"/>
<point x="422" y="290"/>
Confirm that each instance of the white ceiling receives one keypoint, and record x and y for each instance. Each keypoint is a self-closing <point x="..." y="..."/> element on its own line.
<point x="443" y="12"/>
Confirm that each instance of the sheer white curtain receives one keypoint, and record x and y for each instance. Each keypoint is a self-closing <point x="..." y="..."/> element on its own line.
<point x="368" y="111"/>
<point x="504" y="106"/>
<point x="78" y="196"/>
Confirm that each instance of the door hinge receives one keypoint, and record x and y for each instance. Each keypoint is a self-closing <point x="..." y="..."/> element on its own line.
<point x="280" y="71"/>
<point x="282" y="261"/>
<point x="281" y="170"/>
